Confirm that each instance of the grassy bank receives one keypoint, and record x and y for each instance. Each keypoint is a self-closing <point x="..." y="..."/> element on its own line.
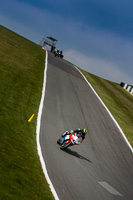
<point x="21" y="78"/>
<point x="117" y="100"/>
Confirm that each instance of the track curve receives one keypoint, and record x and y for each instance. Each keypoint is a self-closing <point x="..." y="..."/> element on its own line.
<point x="102" y="166"/>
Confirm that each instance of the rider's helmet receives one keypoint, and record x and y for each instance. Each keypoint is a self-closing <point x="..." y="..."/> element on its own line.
<point x="84" y="131"/>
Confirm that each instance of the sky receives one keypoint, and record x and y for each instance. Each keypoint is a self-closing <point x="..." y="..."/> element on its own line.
<point x="96" y="35"/>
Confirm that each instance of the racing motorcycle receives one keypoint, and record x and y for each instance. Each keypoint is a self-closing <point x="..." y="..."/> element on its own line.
<point x="66" y="140"/>
<point x="58" y="54"/>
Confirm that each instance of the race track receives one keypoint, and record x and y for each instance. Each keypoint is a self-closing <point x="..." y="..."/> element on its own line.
<point x="101" y="168"/>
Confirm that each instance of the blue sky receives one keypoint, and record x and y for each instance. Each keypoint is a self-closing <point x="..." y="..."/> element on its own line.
<point x="96" y="35"/>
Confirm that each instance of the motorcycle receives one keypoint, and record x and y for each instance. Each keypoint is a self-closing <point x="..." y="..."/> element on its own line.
<point x="65" y="141"/>
<point x="58" y="54"/>
<point x="68" y="140"/>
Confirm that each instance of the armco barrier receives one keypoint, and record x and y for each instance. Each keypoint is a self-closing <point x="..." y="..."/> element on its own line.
<point x="127" y="87"/>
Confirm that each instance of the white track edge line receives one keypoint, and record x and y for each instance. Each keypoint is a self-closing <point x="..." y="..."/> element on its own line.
<point x="107" y="111"/>
<point x="38" y="132"/>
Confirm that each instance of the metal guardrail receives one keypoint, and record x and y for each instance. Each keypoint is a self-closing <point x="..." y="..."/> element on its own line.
<point x="127" y="87"/>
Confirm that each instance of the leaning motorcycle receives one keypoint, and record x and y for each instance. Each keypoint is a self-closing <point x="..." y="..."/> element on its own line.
<point x="65" y="141"/>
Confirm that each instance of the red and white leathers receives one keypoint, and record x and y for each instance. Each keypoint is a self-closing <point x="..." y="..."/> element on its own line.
<point x="75" y="139"/>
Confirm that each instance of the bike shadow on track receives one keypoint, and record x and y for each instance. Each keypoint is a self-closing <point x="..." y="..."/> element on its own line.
<point x="76" y="154"/>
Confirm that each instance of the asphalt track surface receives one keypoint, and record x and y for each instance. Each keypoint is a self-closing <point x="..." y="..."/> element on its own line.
<point x="101" y="168"/>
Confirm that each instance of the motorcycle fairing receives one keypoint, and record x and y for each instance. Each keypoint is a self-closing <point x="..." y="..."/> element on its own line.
<point x="67" y="137"/>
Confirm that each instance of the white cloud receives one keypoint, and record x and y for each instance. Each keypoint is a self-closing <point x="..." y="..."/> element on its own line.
<point x="95" y="50"/>
<point x="99" y="67"/>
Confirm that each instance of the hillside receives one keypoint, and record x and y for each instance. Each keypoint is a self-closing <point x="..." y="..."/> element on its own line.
<point x="118" y="101"/>
<point x="21" y="79"/>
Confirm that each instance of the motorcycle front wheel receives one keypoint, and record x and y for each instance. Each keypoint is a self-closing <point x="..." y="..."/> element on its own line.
<point x="58" y="141"/>
<point x="65" y="145"/>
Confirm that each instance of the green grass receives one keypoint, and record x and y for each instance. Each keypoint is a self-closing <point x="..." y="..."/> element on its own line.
<point x="117" y="100"/>
<point x="21" y="80"/>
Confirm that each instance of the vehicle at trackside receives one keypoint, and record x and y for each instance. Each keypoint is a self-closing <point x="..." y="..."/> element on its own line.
<point x="59" y="53"/>
<point x="70" y="138"/>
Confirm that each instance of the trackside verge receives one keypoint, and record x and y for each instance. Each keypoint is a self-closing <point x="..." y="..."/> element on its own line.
<point x="38" y="132"/>
<point x="129" y="145"/>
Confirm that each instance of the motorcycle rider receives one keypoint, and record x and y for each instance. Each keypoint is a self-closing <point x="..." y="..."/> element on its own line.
<point x="57" y="52"/>
<point x="78" y="135"/>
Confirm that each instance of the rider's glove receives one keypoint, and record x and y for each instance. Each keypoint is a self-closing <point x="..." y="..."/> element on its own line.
<point x="79" y="142"/>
